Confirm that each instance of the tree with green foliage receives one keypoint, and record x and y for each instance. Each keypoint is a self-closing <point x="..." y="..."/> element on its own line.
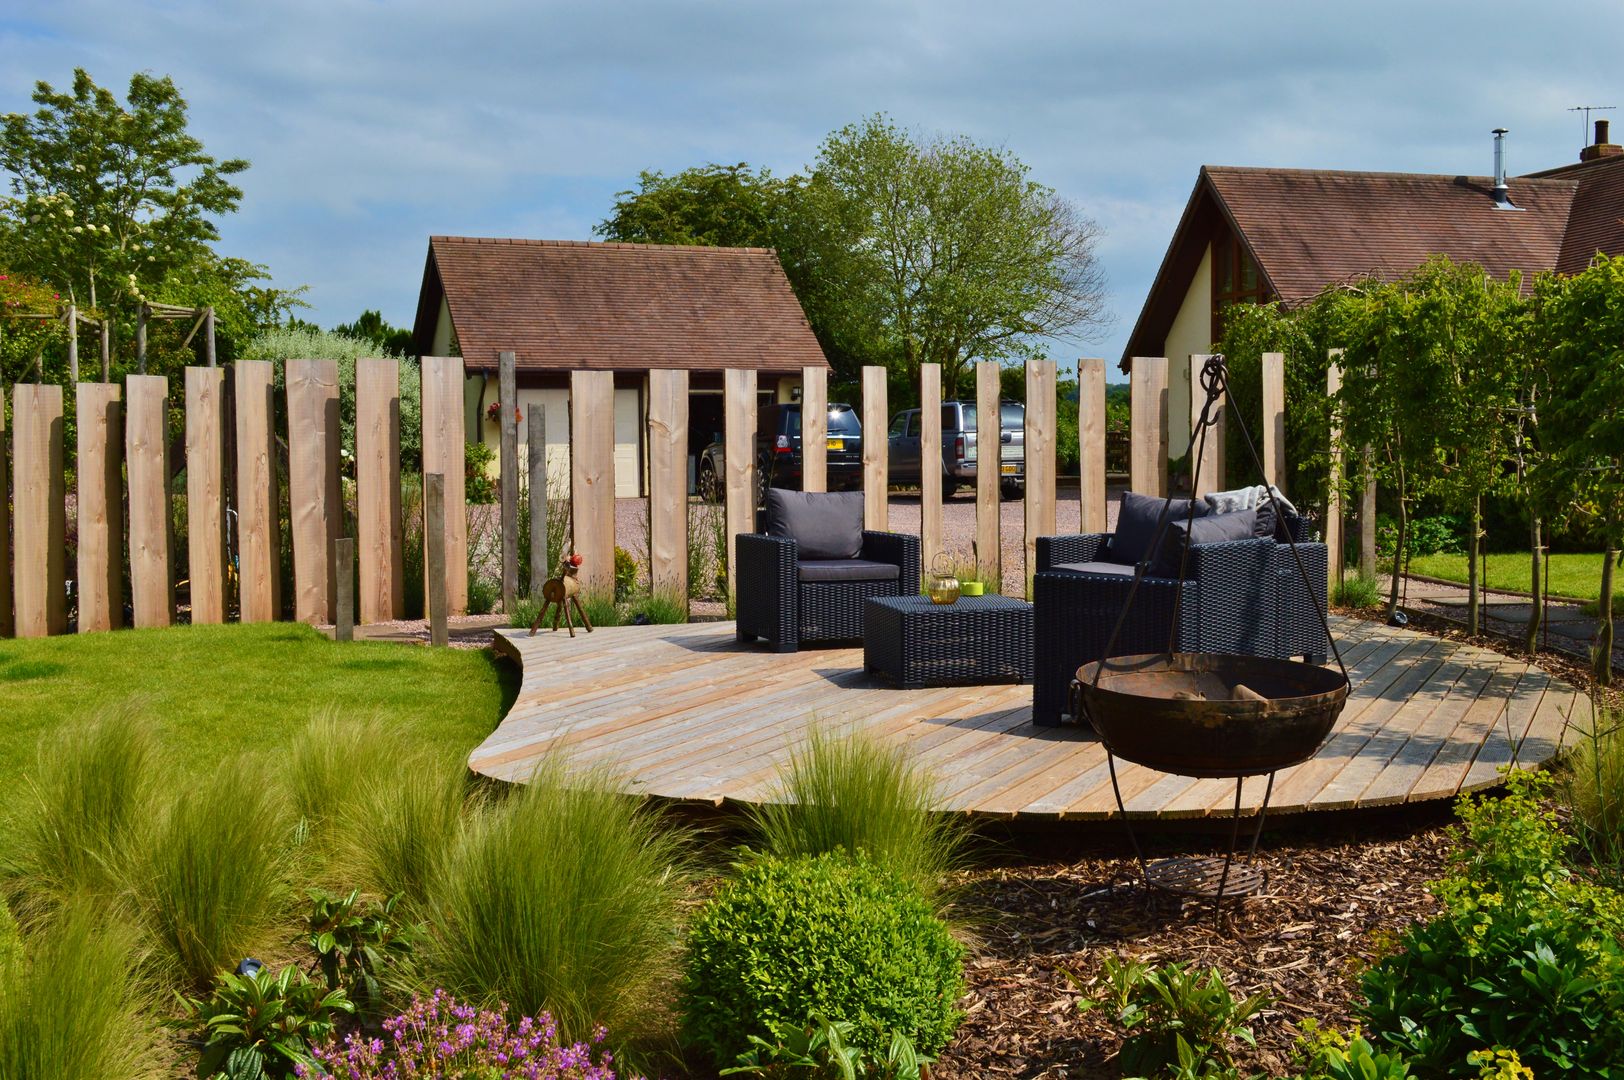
<point x="706" y="206"/>
<point x="371" y="326"/>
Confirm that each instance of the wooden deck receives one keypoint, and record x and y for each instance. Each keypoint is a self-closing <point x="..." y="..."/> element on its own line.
<point x="684" y="713"/>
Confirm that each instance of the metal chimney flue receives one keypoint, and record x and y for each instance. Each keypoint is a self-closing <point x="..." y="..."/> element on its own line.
<point x="1502" y="193"/>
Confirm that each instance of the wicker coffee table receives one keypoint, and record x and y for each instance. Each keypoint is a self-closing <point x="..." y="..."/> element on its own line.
<point x="979" y="639"/>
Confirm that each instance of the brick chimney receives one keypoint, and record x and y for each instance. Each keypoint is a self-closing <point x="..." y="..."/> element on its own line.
<point x="1601" y="148"/>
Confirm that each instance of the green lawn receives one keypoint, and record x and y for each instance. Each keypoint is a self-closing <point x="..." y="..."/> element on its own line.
<point x="1571" y="575"/>
<point x="215" y="691"/>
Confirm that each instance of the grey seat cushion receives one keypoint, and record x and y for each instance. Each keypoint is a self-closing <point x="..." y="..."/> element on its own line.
<point x="823" y="524"/>
<point x="846" y="570"/>
<point x="1212" y="529"/>
<point x="1119" y="569"/>
<point x="1136" y="526"/>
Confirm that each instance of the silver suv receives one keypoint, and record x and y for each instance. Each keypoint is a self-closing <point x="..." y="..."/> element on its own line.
<point x="959" y="447"/>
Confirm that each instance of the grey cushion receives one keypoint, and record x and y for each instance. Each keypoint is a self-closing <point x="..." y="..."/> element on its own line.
<point x="1120" y="569"/>
<point x="823" y="524"/>
<point x="1136" y="526"/>
<point x="1212" y="529"/>
<point x="846" y="570"/>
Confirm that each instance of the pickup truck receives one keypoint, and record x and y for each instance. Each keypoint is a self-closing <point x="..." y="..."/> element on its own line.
<point x="960" y="447"/>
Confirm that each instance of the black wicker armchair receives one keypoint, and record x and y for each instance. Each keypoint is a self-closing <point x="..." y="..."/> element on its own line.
<point x="786" y="598"/>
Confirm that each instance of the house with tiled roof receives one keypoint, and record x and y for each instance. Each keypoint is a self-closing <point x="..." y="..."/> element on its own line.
<point x="564" y="306"/>
<point x="1254" y="235"/>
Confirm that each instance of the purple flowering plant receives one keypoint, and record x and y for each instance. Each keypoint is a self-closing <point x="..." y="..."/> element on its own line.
<point x="442" y="1038"/>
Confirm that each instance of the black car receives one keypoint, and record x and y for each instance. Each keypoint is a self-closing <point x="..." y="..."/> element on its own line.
<point x="778" y="452"/>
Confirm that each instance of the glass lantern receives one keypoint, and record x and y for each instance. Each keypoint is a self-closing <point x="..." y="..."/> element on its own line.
<point x="942" y="586"/>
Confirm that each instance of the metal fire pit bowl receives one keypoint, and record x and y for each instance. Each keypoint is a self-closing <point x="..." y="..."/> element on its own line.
<point x="1211" y="714"/>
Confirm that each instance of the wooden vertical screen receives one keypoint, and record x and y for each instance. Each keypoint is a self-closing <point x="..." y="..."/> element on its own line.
<point x="1211" y="477"/>
<point x="1091" y="444"/>
<point x="592" y="477"/>
<point x="536" y="449"/>
<point x="378" y="527"/>
<point x="739" y="460"/>
<point x="444" y="434"/>
<point x="1041" y="412"/>
<point x="989" y="455"/>
<point x="1147" y="461"/>
<point x="206" y="493"/>
<point x="73" y="344"/>
<point x="259" y="529"/>
<point x="1274" y="419"/>
<point x="814" y="429"/>
<point x="146" y="457"/>
<point x="435" y="530"/>
<point x="8" y="625"/>
<point x="1333" y="502"/>
<point x="507" y="377"/>
<point x="930" y="466"/>
<point x="314" y="502"/>
<point x="876" y="451"/>
<point x="41" y="525"/>
<point x="668" y="482"/>
<point x="1367" y="514"/>
<point x="99" y="412"/>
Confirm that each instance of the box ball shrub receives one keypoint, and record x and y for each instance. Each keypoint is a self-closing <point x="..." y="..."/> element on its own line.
<point x="830" y="934"/>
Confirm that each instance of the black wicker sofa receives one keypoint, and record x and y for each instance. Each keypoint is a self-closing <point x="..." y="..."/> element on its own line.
<point x="809" y="574"/>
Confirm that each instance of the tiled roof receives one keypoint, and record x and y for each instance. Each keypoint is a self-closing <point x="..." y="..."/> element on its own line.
<point x="576" y="305"/>
<point x="1309" y="228"/>
<point x="1597" y="223"/>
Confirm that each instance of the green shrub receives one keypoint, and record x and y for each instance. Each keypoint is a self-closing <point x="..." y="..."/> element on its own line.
<point x="1357" y="591"/>
<point x="859" y="794"/>
<point x="822" y="1049"/>
<point x="663" y="608"/>
<point x="329" y="763"/>
<point x="402" y="825"/>
<point x="210" y="879"/>
<point x="825" y="935"/>
<point x="359" y="945"/>
<point x="625" y="574"/>
<point x="524" y="611"/>
<point x="1175" y="1018"/>
<point x="262" y="1025"/>
<point x="600" y="608"/>
<point x="1438" y="534"/>
<point x="484" y="594"/>
<point x="479" y="486"/>
<point x="562" y="897"/>
<point x="1524" y="956"/>
<point x="1328" y="1054"/>
<point x="91" y="792"/>
<point x="1593" y="787"/>
<point x="72" y="1010"/>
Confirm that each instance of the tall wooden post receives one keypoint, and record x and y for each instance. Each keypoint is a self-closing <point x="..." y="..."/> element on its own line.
<point x="40" y="504"/>
<point x="1091" y="444"/>
<point x="989" y="457"/>
<point x="314" y="501"/>
<point x="739" y="460"/>
<point x="259" y="526"/>
<point x="508" y="391"/>
<point x="1212" y="454"/>
<point x="208" y="338"/>
<point x="73" y="343"/>
<point x="146" y="454"/>
<point x="536" y="446"/>
<point x="815" y="428"/>
<point x="668" y="483"/>
<point x="141" y="317"/>
<point x="100" y="413"/>
<point x="930" y="465"/>
<point x="344" y="589"/>
<point x="205" y="493"/>
<point x="378" y="526"/>
<point x="436" y="529"/>
<point x="876" y="451"/>
<point x="444" y="452"/>
<point x="1333" y="501"/>
<point x="1041" y="409"/>
<point x="1147" y="460"/>
<point x="1367" y="516"/>
<point x="592" y="477"/>
<point x="7" y="623"/>
<point x="1274" y="419"/>
<point x="106" y="337"/>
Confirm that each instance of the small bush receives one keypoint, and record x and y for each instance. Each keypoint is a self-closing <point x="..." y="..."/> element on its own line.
<point x="359" y="945"/>
<point x="402" y="825"/>
<point x="663" y="608"/>
<point x="822" y="1049"/>
<point x="1357" y="591"/>
<point x="858" y="794"/>
<point x="209" y="882"/>
<point x="479" y="486"/>
<point x="1524" y="956"/>
<point x="1593" y="786"/>
<point x="1175" y="1017"/>
<point x="561" y="897"/>
<point x="262" y="1025"/>
<point x="826" y="935"/>
<point x="329" y="763"/>
<point x="525" y="610"/>
<point x="1438" y="534"/>
<point x="437" y="1037"/>
<point x="483" y="594"/>
<point x="72" y="1011"/>
<point x="600" y="608"/>
<point x="1328" y="1054"/>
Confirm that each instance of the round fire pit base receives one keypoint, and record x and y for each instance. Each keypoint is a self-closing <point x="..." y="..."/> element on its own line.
<point x="1205" y="878"/>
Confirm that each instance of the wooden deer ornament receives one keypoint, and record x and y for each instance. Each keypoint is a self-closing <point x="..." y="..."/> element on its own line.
<point x="563" y="591"/>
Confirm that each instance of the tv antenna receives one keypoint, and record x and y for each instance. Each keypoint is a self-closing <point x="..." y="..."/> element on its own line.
<point x="1584" y="125"/>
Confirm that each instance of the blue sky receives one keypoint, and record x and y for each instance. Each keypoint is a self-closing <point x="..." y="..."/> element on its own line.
<point x="371" y="125"/>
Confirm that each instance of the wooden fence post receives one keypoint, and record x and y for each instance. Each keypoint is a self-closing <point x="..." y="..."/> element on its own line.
<point x="436" y="595"/>
<point x="1212" y="456"/>
<point x="146" y="455"/>
<point x="1041" y="409"/>
<point x="40" y="503"/>
<point x="1333" y="501"/>
<point x="536" y="447"/>
<point x="106" y="338"/>
<point x="1147" y="459"/>
<point x="507" y="391"/>
<point x="378" y="526"/>
<point x="205" y="493"/>
<point x="1274" y="419"/>
<point x="8" y="625"/>
<point x="814" y="428"/>
<point x="208" y="338"/>
<point x="444" y="452"/>
<point x="739" y="460"/>
<point x="314" y="503"/>
<point x="1091" y="444"/>
<point x="73" y="343"/>
<point x="100" y="413"/>
<point x="259" y="526"/>
<point x="989" y="457"/>
<point x="344" y="589"/>
<point x="668" y="483"/>
<point x="876" y="451"/>
<point x="141" y="317"/>
<point x="1367" y="516"/>
<point x="930" y="467"/>
<point x="592" y="478"/>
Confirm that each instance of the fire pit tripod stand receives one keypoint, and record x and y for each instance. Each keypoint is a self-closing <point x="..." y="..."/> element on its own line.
<point x="1209" y="714"/>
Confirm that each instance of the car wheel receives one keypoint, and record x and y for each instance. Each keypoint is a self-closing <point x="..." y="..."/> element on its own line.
<point x="949" y="488"/>
<point x="1011" y="492"/>
<point x="709" y="489"/>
